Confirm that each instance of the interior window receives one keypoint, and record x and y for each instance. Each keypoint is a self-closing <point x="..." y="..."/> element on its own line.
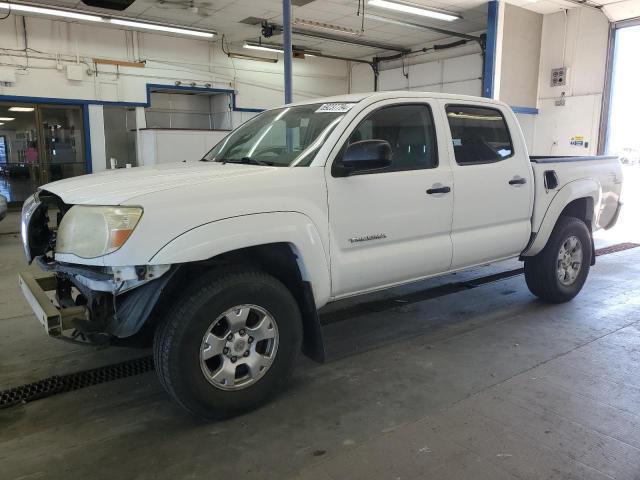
<point x="479" y="134"/>
<point x="409" y="130"/>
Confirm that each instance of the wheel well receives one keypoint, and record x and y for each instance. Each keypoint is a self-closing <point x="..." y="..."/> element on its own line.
<point x="276" y="259"/>
<point x="581" y="208"/>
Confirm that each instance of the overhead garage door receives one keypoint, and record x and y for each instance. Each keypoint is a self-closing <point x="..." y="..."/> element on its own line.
<point x="462" y="75"/>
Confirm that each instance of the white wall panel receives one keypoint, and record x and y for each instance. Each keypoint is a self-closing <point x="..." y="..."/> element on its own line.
<point x="462" y="68"/>
<point x="555" y="126"/>
<point x="527" y="125"/>
<point x="520" y="59"/>
<point x="577" y="39"/>
<point x="422" y="74"/>
<point x="168" y="59"/>
<point x="461" y="75"/>
<point x="168" y="146"/>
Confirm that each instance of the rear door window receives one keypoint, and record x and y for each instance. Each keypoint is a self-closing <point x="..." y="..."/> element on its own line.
<point x="479" y="134"/>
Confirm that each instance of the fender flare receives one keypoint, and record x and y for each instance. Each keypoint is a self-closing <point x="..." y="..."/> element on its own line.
<point x="585" y="188"/>
<point x="222" y="236"/>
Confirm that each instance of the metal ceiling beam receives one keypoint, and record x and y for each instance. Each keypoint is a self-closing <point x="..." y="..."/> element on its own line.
<point x="405" y="23"/>
<point x="585" y="3"/>
<point x="353" y="41"/>
<point x="288" y="53"/>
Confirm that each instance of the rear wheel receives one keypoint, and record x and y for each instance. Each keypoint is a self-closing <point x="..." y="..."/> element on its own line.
<point x="559" y="271"/>
<point x="229" y="344"/>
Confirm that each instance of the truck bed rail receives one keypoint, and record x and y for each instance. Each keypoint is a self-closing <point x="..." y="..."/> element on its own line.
<point x="558" y="159"/>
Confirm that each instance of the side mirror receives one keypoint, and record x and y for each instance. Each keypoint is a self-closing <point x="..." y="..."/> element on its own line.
<point x="363" y="156"/>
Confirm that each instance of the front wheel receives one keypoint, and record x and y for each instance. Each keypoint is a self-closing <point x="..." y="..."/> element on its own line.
<point x="229" y="344"/>
<point x="559" y="271"/>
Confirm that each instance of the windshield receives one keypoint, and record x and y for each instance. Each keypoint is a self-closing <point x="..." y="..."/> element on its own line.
<point x="284" y="137"/>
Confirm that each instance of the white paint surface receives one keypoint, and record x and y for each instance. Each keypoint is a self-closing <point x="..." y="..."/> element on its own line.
<point x="96" y="129"/>
<point x="170" y="146"/>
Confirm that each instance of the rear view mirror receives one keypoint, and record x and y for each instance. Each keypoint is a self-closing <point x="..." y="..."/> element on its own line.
<point x="364" y="155"/>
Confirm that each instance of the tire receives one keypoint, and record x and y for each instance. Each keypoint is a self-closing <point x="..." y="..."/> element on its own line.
<point x="544" y="272"/>
<point x="187" y="364"/>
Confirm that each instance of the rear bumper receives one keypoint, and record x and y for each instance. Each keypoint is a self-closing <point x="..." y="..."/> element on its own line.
<point x="614" y="219"/>
<point x="53" y="318"/>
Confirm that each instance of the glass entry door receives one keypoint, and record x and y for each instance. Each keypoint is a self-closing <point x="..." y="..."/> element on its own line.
<point x="38" y="144"/>
<point x="61" y="147"/>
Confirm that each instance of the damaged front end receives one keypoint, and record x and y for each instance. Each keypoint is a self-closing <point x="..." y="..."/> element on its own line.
<point x="83" y="303"/>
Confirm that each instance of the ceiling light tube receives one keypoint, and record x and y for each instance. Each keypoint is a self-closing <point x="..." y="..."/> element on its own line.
<point x="18" y="7"/>
<point x="241" y="56"/>
<point x="276" y="47"/>
<point x="161" y="28"/>
<point x="414" y="9"/>
<point x="6" y="119"/>
<point x="21" y="109"/>
<point x="325" y="26"/>
<point x="265" y="47"/>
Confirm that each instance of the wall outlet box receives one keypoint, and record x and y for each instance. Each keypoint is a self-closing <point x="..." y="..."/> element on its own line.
<point x="7" y="75"/>
<point x="75" y="72"/>
<point x="559" y="76"/>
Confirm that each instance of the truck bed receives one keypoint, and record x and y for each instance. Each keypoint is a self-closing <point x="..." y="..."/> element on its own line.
<point x="603" y="172"/>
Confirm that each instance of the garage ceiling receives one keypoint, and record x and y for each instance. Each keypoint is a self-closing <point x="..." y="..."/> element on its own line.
<point x="233" y="18"/>
<point x="226" y="16"/>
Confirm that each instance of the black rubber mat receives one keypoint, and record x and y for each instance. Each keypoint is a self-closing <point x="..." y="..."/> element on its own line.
<point x="619" y="247"/>
<point x="74" y="381"/>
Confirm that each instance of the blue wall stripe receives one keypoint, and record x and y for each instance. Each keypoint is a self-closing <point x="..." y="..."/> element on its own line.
<point x="527" y="110"/>
<point x="149" y="88"/>
<point x="490" y="52"/>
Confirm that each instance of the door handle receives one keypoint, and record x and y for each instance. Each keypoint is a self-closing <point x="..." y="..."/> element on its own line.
<point x="517" y="181"/>
<point x="435" y="190"/>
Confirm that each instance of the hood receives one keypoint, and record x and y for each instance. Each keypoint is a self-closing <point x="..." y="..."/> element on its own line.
<point x="115" y="187"/>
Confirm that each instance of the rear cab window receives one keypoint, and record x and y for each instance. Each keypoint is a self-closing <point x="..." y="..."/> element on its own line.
<point x="479" y="134"/>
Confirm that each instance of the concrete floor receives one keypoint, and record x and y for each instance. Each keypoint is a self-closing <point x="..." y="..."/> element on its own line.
<point x="488" y="383"/>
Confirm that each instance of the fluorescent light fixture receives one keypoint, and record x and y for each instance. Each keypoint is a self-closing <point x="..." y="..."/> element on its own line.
<point x="18" y="7"/>
<point x="278" y="48"/>
<point x="325" y="26"/>
<point x="21" y="109"/>
<point x="414" y="9"/>
<point x="241" y="56"/>
<point x="161" y="28"/>
<point x="1" y="123"/>
<point x="263" y="46"/>
<point x="6" y="119"/>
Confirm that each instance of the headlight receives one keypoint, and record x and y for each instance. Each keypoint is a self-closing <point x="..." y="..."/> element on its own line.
<point x="89" y="232"/>
<point x="28" y="207"/>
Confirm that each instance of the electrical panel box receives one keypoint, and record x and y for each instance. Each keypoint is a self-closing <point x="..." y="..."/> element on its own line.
<point x="75" y="72"/>
<point x="7" y="75"/>
<point x="559" y="76"/>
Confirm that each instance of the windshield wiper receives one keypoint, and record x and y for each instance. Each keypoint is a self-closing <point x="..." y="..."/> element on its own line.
<point x="246" y="160"/>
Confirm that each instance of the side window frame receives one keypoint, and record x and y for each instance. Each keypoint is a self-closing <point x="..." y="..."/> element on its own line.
<point x="485" y="107"/>
<point x="434" y="131"/>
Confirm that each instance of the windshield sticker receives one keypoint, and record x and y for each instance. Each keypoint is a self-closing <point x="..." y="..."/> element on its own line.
<point x="457" y="142"/>
<point x="335" y="107"/>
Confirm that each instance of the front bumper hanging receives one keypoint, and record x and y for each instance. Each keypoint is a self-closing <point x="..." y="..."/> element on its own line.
<point x="53" y="318"/>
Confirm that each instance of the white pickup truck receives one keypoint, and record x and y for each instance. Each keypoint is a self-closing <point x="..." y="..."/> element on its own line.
<point x="223" y="263"/>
